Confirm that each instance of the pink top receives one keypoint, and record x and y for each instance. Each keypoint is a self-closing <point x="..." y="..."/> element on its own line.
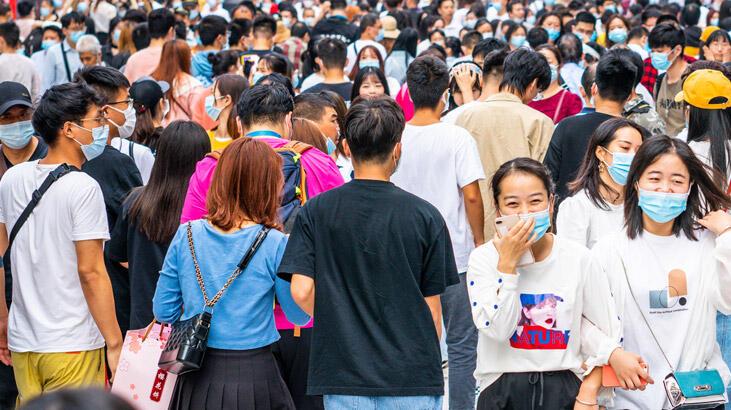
<point x="403" y="99"/>
<point x="322" y="175"/>
<point x="570" y="105"/>
<point x="142" y="63"/>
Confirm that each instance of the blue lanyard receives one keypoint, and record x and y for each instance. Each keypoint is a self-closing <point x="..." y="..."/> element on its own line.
<point x="263" y="133"/>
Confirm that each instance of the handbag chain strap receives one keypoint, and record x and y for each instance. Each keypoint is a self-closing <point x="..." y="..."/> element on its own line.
<point x="647" y="323"/>
<point x="239" y="268"/>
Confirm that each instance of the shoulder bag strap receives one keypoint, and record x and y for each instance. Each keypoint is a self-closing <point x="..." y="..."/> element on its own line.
<point x="130" y="149"/>
<point x="54" y="176"/>
<point x="65" y="62"/>
<point x="239" y="268"/>
<point x="558" y="107"/>
<point x="647" y="323"/>
<point x="3" y="162"/>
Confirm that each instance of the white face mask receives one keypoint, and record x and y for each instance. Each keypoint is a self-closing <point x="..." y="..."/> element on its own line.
<point x="130" y="120"/>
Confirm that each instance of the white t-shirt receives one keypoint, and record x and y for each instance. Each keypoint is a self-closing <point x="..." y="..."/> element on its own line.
<point x="437" y="161"/>
<point x="702" y="150"/>
<point x="144" y="159"/>
<point x="531" y="321"/>
<point x="582" y="221"/>
<point x="49" y="312"/>
<point x="639" y="50"/>
<point x="345" y="166"/>
<point x="314" y="79"/>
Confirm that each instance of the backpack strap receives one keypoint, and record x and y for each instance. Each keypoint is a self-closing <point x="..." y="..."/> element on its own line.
<point x="65" y="62"/>
<point x="658" y="83"/>
<point x="298" y="148"/>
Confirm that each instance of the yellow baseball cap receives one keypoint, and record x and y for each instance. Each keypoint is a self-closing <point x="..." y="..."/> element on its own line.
<point x="707" y="89"/>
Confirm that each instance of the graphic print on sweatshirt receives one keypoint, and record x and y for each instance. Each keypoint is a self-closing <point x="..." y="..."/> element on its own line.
<point x="537" y="323"/>
<point x="674" y="296"/>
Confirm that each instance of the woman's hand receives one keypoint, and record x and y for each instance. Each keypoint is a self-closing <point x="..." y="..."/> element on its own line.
<point x="717" y="222"/>
<point x="465" y="78"/>
<point x="630" y="369"/>
<point x="513" y="245"/>
<point x="589" y="390"/>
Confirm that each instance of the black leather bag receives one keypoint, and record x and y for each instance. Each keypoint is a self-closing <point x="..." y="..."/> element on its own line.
<point x="186" y="346"/>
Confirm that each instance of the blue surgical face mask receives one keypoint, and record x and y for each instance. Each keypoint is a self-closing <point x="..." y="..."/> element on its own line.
<point x="177" y="5"/>
<point x="16" y="135"/>
<point x="714" y="22"/>
<point x="662" y="207"/>
<point x="554" y="72"/>
<point x="549" y="2"/>
<point x="496" y="6"/>
<point x="82" y="7"/>
<point x="470" y="24"/>
<point x="542" y="222"/>
<point x="593" y="36"/>
<point x="193" y="14"/>
<point x="330" y="146"/>
<point x="487" y="35"/>
<point x="380" y="35"/>
<point x="369" y="63"/>
<point x="99" y="141"/>
<point x="76" y="35"/>
<point x="618" y="36"/>
<point x="553" y="34"/>
<point x="57" y="3"/>
<point x="517" y="41"/>
<point x="310" y="21"/>
<point x="212" y="111"/>
<point x="257" y="76"/>
<point x="611" y="9"/>
<point x="46" y="44"/>
<point x="621" y="162"/>
<point x="45" y="12"/>
<point x="115" y="36"/>
<point x="660" y="61"/>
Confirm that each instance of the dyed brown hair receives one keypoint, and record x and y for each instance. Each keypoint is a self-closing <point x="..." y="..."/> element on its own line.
<point x="307" y="131"/>
<point x="174" y="60"/>
<point x="233" y="85"/>
<point x="246" y="186"/>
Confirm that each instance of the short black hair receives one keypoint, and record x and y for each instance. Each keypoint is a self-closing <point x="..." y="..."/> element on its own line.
<point x="427" y="78"/>
<point x="249" y="5"/>
<point x="633" y="58"/>
<point x="521" y="67"/>
<point x="637" y="32"/>
<point x="338" y="4"/>
<point x="587" y="78"/>
<point x="570" y="47"/>
<point x="222" y="61"/>
<point x="264" y="104"/>
<point x="238" y="28"/>
<point x="25" y="8"/>
<point x="135" y="16"/>
<point x="488" y="45"/>
<point x="612" y="73"/>
<point x="210" y="27"/>
<point x="494" y="62"/>
<point x="512" y="4"/>
<point x="368" y="20"/>
<point x="333" y="52"/>
<point x="537" y="36"/>
<point x="280" y="79"/>
<point x="585" y="17"/>
<point x="264" y="24"/>
<point x="299" y="30"/>
<point x="470" y="39"/>
<point x="373" y="127"/>
<point x="650" y="13"/>
<point x="72" y="17"/>
<point x="159" y="22"/>
<point x="666" y="35"/>
<point x="690" y="15"/>
<point x="61" y="104"/>
<point x="4" y="9"/>
<point x="311" y="106"/>
<point x="10" y="33"/>
<point x="106" y="81"/>
<point x="141" y="36"/>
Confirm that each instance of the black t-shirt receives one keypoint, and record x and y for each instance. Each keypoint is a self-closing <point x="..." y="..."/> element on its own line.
<point x="343" y="89"/>
<point x="375" y="252"/>
<point x="336" y="27"/>
<point x="145" y="258"/>
<point x="568" y="146"/>
<point x="117" y="175"/>
<point x="39" y="153"/>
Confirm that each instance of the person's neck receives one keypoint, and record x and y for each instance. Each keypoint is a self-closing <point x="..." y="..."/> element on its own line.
<point x="373" y="172"/>
<point x="553" y="89"/>
<point x="515" y="93"/>
<point x="676" y="69"/>
<point x="425" y="116"/>
<point x="16" y="156"/>
<point x="542" y="248"/>
<point x="237" y="226"/>
<point x="6" y="49"/>
<point x="633" y="94"/>
<point x="366" y="37"/>
<point x="608" y="107"/>
<point x="635" y="41"/>
<point x="262" y="44"/>
<point x="614" y="198"/>
<point x="221" y="131"/>
<point x="64" y="153"/>
<point x="278" y="128"/>
<point x="657" y="228"/>
<point x="157" y="42"/>
<point x="447" y="20"/>
<point x="489" y="88"/>
<point x="338" y="13"/>
<point x="211" y="47"/>
<point x="332" y="75"/>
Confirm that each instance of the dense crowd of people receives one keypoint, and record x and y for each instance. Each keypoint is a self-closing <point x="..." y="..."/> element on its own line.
<point x="527" y="197"/>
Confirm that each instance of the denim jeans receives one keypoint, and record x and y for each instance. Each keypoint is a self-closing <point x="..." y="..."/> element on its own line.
<point x="723" y="335"/>
<point x="461" y="345"/>
<point x="339" y="402"/>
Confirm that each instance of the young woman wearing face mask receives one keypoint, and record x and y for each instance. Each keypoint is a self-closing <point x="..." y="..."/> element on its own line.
<point x="557" y="102"/>
<point x="670" y="269"/>
<point x="221" y="107"/>
<point x="369" y="56"/>
<point x="516" y="36"/>
<point x="150" y="106"/>
<point x="529" y="312"/>
<point x="551" y="22"/>
<point x="595" y="207"/>
<point x="617" y="31"/>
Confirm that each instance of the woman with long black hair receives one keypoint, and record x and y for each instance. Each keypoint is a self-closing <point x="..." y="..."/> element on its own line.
<point x="151" y="214"/>
<point x="670" y="269"/>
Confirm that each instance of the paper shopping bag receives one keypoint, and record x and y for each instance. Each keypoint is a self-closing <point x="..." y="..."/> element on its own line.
<point x="138" y="379"/>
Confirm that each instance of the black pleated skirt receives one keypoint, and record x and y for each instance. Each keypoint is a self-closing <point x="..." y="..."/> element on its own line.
<point x="233" y="380"/>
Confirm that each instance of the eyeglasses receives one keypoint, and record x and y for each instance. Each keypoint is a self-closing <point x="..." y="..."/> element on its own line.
<point x="128" y="101"/>
<point x="98" y="121"/>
